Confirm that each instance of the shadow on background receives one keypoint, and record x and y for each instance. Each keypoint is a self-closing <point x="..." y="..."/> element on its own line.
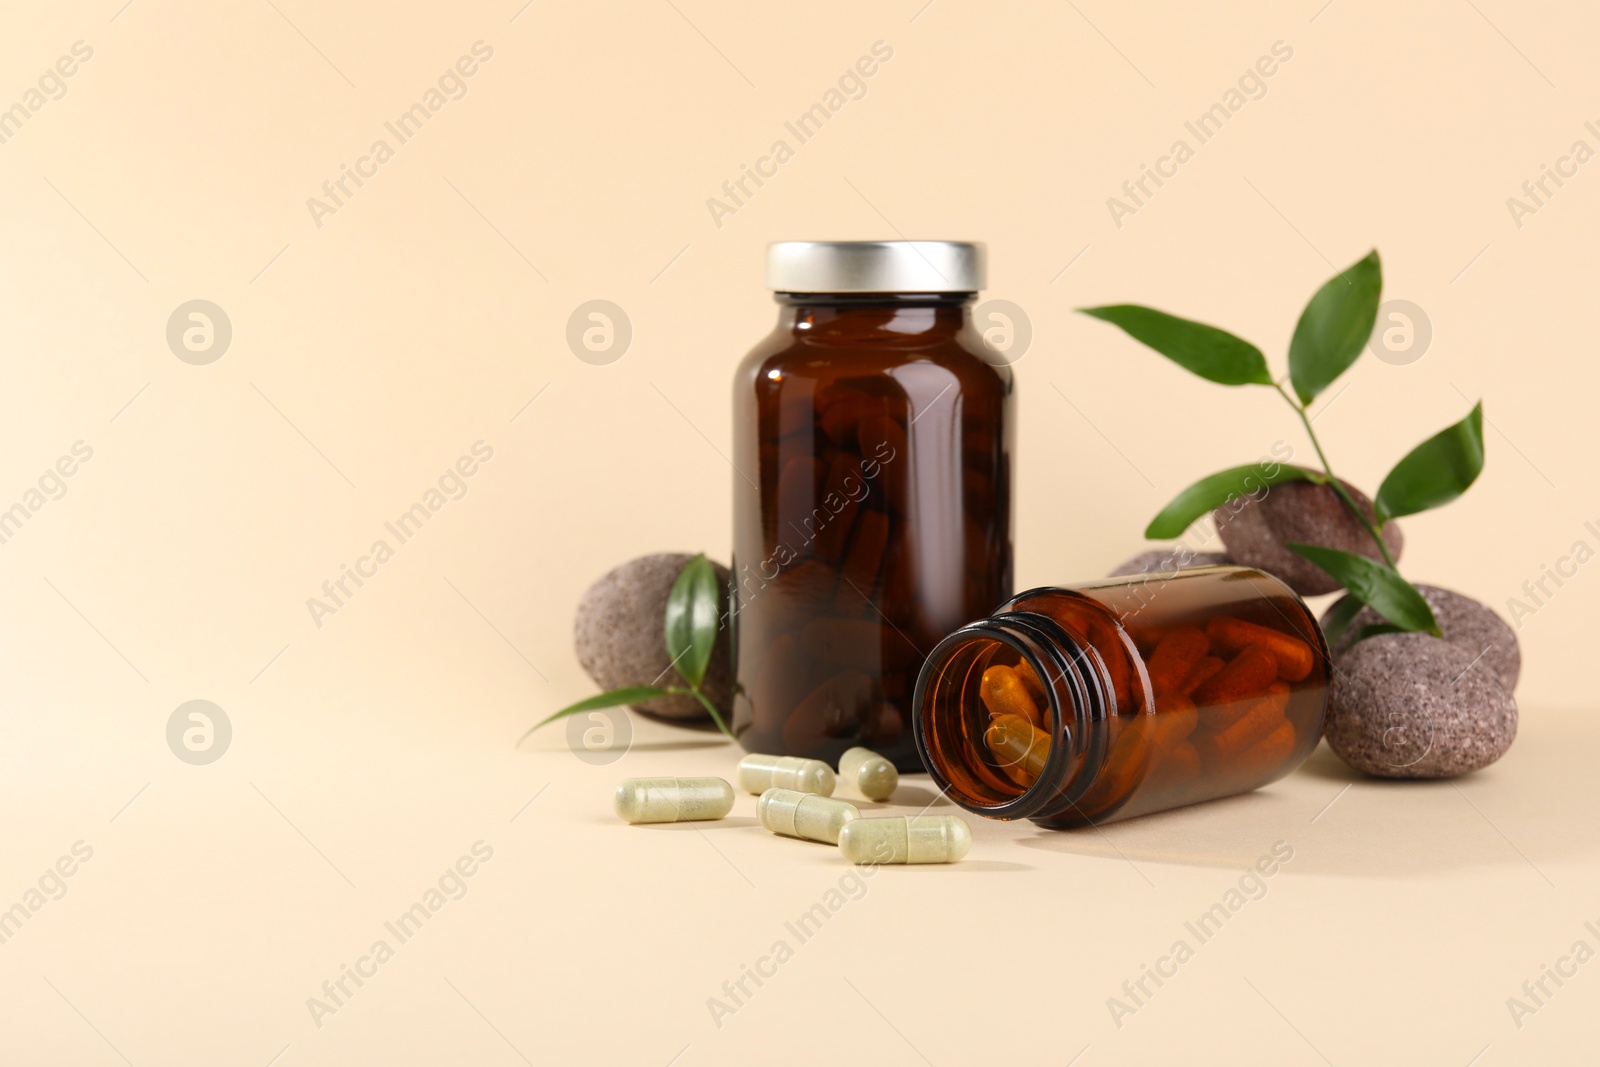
<point x="1345" y="823"/>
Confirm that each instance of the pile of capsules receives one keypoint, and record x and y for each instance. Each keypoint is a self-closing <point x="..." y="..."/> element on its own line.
<point x="1222" y="696"/>
<point x="797" y="801"/>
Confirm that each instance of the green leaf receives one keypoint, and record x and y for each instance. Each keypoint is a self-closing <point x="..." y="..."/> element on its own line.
<point x="1335" y="327"/>
<point x="1205" y="350"/>
<point x="692" y="619"/>
<point x="1374" y="629"/>
<point x="1217" y="489"/>
<point x="1436" y="471"/>
<point x="1339" y="618"/>
<point x="633" y="694"/>
<point x="1376" y="585"/>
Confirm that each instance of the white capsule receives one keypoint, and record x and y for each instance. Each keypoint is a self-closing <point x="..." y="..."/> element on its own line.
<point x="796" y="814"/>
<point x="759" y="773"/>
<point x="872" y="775"/>
<point x="905" y="839"/>
<point x="673" y="799"/>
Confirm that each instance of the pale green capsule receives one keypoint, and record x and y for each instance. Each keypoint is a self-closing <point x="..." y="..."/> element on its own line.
<point x="872" y="775"/>
<point x="796" y="814"/>
<point x="673" y="799"/>
<point x="759" y="773"/>
<point x="905" y="839"/>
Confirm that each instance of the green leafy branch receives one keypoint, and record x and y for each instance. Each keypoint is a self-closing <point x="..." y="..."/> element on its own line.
<point x="693" y="615"/>
<point x="1333" y="329"/>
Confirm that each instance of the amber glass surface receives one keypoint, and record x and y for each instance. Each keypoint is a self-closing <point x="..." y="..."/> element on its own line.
<point x="1108" y="699"/>
<point x="872" y="515"/>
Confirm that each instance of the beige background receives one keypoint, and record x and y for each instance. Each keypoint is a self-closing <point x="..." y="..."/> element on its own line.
<point x="428" y="313"/>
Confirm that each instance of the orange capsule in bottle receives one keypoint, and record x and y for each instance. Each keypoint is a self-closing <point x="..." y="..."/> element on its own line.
<point x="1224" y="691"/>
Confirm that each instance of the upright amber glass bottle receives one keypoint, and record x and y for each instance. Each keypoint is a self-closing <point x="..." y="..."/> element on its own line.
<point x="1075" y="706"/>
<point x="872" y="493"/>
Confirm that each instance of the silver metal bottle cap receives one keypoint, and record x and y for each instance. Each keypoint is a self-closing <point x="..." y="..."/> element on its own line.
<point x="875" y="267"/>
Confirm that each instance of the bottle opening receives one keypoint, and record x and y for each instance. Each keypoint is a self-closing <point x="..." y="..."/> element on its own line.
<point x="1001" y="714"/>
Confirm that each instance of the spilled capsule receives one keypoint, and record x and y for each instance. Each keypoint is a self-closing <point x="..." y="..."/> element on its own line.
<point x="759" y="773"/>
<point x="905" y="839"/>
<point x="795" y="814"/>
<point x="672" y="799"/>
<point x="873" y="776"/>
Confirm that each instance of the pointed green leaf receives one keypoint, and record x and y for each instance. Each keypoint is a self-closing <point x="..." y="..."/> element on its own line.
<point x="1205" y="350"/>
<point x="1335" y="327"/>
<point x="633" y="694"/>
<point x="1217" y="489"/>
<point x="1339" y="617"/>
<point x="1374" y="629"/>
<point x="1436" y="471"/>
<point x="1376" y="585"/>
<point x="692" y="619"/>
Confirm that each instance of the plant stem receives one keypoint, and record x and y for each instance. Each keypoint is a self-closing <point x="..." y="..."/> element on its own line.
<point x="711" y="708"/>
<point x="1333" y="479"/>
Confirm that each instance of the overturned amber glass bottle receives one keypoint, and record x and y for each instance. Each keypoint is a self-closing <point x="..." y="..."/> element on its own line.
<point x="872" y="493"/>
<point x="1109" y="699"/>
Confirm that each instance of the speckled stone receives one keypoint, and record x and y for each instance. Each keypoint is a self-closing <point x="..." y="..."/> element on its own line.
<point x="1413" y="706"/>
<point x="1464" y="622"/>
<point x="1160" y="560"/>
<point x="619" y="635"/>
<point x="1304" y="513"/>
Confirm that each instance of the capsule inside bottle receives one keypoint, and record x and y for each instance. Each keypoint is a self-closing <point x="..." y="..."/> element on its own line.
<point x="1163" y="690"/>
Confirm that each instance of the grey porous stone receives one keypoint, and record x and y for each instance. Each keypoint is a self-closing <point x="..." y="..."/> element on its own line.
<point x="1464" y="622"/>
<point x="1257" y="531"/>
<point x="1414" y="706"/>
<point x="619" y="635"/>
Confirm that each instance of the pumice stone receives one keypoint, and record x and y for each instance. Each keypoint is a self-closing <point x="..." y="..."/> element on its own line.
<point x="796" y="814"/>
<point x="1412" y="706"/>
<point x="905" y="839"/>
<point x="672" y="799"/>
<point x="873" y="776"/>
<point x="1257" y="531"/>
<point x="1463" y="621"/>
<point x="619" y="637"/>
<point x="759" y="773"/>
